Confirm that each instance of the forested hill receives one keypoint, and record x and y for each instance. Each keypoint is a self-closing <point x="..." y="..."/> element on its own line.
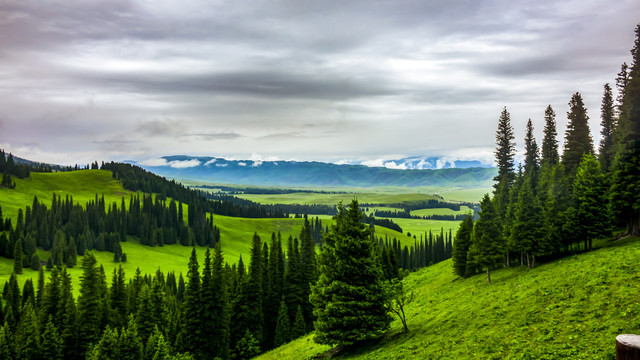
<point x="293" y="173"/>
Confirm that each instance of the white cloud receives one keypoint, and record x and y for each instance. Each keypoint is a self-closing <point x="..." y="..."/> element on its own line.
<point x="154" y="162"/>
<point x="184" y="164"/>
<point x="210" y="162"/>
<point x="242" y="164"/>
<point x="373" y="163"/>
<point x="221" y="165"/>
<point x="393" y="165"/>
<point x="257" y="163"/>
<point x="257" y="157"/>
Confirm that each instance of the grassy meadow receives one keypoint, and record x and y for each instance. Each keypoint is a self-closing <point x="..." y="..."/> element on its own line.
<point x="569" y="308"/>
<point x="236" y="233"/>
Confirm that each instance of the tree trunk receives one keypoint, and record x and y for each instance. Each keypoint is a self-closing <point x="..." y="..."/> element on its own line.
<point x="508" y="259"/>
<point x="488" y="275"/>
<point x="533" y="261"/>
<point x="628" y="347"/>
<point x="635" y="227"/>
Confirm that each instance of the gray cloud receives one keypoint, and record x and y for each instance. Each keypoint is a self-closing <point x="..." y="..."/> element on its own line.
<point x="355" y="78"/>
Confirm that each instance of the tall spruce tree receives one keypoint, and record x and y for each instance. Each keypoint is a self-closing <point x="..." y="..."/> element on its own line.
<point x="254" y="289"/>
<point x="577" y="138"/>
<point x="550" y="139"/>
<point x="219" y="327"/>
<point x="461" y="246"/>
<point x="90" y="309"/>
<point x="591" y="211"/>
<point x="625" y="187"/>
<point x="191" y="331"/>
<point x="608" y="123"/>
<point x="349" y="298"/>
<point x="487" y="247"/>
<point x="532" y="157"/>
<point x="505" y="149"/>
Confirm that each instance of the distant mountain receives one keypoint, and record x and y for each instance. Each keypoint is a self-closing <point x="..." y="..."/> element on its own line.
<point x="420" y="163"/>
<point x="294" y="173"/>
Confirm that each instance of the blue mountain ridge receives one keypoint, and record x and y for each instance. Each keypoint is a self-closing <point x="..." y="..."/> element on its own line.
<point x="314" y="173"/>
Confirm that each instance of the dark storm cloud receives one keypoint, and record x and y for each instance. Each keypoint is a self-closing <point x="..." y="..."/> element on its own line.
<point x="264" y="83"/>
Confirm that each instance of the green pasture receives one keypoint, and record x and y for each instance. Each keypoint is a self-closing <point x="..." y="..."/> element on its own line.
<point x="443" y="211"/>
<point x="308" y="198"/>
<point x="572" y="308"/>
<point x="82" y="184"/>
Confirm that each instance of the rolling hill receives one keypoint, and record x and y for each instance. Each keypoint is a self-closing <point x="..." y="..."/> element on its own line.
<point x="570" y="308"/>
<point x="83" y="185"/>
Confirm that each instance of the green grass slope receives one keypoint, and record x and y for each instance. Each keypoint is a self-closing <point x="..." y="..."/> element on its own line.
<point x="571" y="308"/>
<point x="82" y="184"/>
<point x="236" y="233"/>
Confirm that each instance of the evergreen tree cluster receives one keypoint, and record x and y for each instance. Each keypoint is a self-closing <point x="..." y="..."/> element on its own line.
<point x="69" y="229"/>
<point x="427" y="251"/>
<point x="217" y="311"/>
<point x="388" y="223"/>
<point x="406" y="214"/>
<point x="135" y="178"/>
<point x="555" y="205"/>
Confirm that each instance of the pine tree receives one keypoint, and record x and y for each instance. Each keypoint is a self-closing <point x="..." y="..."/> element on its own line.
<point x="90" y="308"/>
<point x="550" y="139"/>
<point x="130" y="344"/>
<point x="283" y="326"/>
<point x="17" y="257"/>
<point x="461" y="246"/>
<point x="254" y="289"/>
<point x="577" y="138"/>
<point x="27" y="335"/>
<point x="349" y="301"/>
<point x="299" y="328"/>
<point x="532" y="158"/>
<point x="51" y="343"/>
<point x="592" y="215"/>
<point x="608" y="123"/>
<point x="505" y="150"/>
<point x="625" y="185"/>
<point x="487" y="247"/>
<point x="220" y="325"/>
<point x="191" y="332"/>
<point x="526" y="230"/>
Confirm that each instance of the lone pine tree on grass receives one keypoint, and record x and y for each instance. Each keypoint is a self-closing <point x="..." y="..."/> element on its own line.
<point x="349" y="298"/>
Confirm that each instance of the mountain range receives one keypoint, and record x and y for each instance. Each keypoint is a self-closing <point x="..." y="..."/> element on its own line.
<point x="312" y="173"/>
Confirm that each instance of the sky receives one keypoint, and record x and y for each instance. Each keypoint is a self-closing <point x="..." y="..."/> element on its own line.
<point x="338" y="81"/>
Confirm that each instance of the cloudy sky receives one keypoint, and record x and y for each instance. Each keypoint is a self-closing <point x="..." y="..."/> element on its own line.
<point x="357" y="80"/>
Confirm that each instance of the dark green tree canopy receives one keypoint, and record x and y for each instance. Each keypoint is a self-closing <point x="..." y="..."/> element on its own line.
<point x="577" y="139"/>
<point x="349" y="297"/>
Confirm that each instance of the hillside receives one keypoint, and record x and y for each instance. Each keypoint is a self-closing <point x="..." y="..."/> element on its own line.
<point x="293" y="173"/>
<point x="83" y="185"/>
<point x="569" y="308"/>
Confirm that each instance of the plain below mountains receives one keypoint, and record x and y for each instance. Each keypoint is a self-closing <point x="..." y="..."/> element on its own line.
<point x="293" y="173"/>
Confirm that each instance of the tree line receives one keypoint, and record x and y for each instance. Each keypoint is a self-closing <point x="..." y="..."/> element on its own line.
<point x="217" y="311"/>
<point x="406" y="214"/>
<point x="70" y="229"/>
<point x="556" y="204"/>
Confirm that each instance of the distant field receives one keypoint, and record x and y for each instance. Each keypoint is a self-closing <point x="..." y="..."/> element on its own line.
<point x="307" y="198"/>
<point x="444" y="211"/>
